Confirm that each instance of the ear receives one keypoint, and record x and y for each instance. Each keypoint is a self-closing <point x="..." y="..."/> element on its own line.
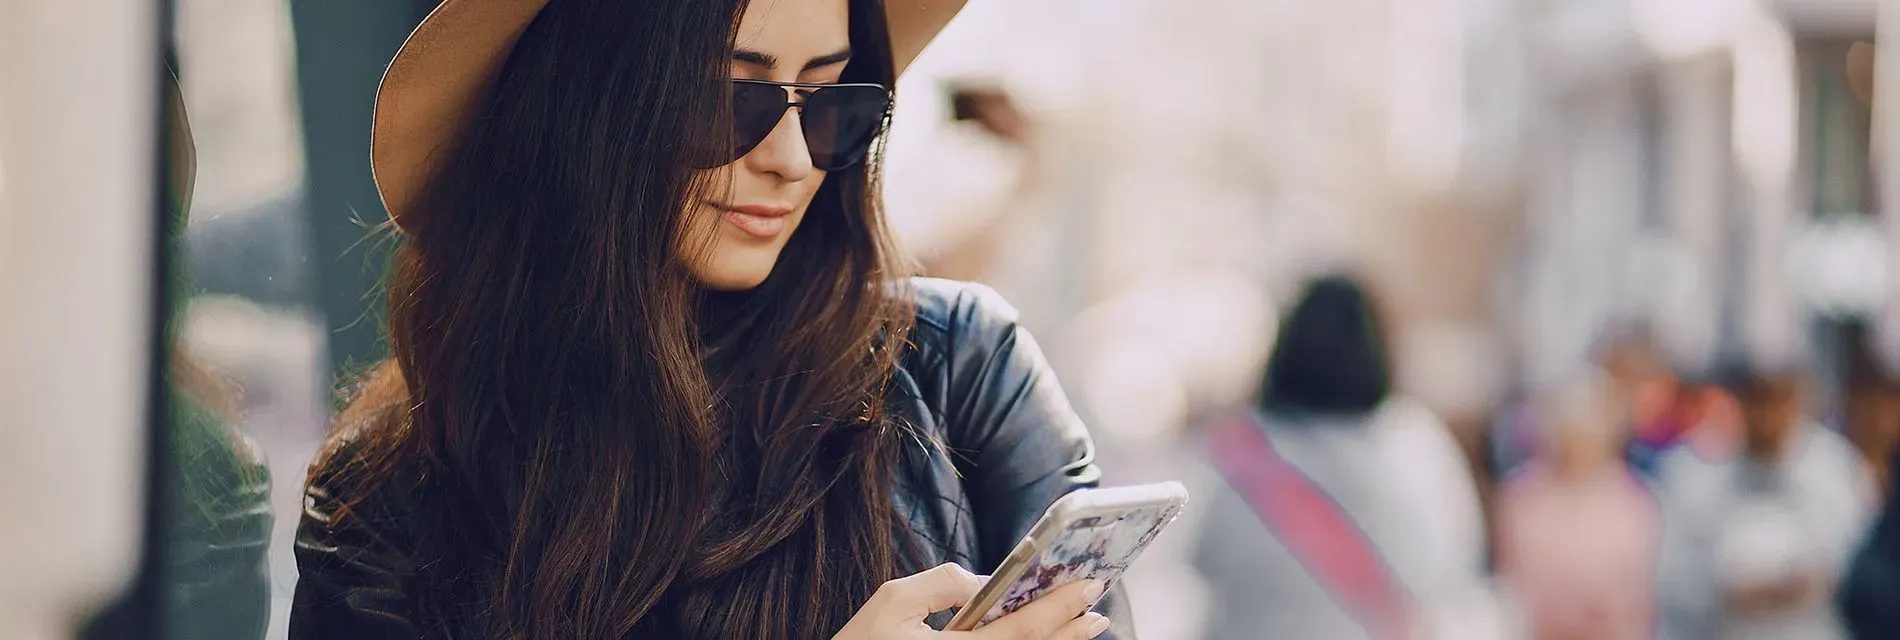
<point x="913" y="24"/>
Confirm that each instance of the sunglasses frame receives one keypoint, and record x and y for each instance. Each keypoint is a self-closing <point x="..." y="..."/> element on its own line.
<point x="884" y="120"/>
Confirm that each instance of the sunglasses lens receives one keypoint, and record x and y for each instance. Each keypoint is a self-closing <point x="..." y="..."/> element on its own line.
<point x="755" y="109"/>
<point x="840" y="123"/>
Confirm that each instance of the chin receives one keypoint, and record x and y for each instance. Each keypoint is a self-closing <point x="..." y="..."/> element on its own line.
<point x="732" y="284"/>
<point x="736" y="273"/>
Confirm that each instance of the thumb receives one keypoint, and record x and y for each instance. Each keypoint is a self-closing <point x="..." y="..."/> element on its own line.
<point x="927" y="592"/>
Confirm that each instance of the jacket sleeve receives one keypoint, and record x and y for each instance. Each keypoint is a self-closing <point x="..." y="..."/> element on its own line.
<point x="218" y="530"/>
<point x="354" y="577"/>
<point x="1022" y="443"/>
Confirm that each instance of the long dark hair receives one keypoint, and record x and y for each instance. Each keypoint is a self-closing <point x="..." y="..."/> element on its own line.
<point x="1331" y="356"/>
<point x="595" y="446"/>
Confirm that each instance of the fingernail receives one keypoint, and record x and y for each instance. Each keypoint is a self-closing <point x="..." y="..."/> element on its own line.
<point x="1097" y="624"/>
<point x="1094" y="590"/>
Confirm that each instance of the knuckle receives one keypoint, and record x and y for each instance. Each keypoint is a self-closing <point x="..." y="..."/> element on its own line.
<point x="890" y="589"/>
<point x="918" y="583"/>
<point x="952" y="574"/>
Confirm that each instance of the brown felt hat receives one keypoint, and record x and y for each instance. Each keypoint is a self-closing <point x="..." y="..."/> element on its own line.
<point x="431" y="86"/>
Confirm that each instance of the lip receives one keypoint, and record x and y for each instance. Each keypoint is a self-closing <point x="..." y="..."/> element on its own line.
<point x="757" y="210"/>
<point x="761" y="221"/>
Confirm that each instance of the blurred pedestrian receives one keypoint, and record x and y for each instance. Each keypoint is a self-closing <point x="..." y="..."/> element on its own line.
<point x="1872" y="587"/>
<point x="1577" y="532"/>
<point x="1701" y="423"/>
<point x="1637" y="382"/>
<point x="1873" y="423"/>
<point x="1872" y="419"/>
<point x="1640" y="383"/>
<point x="1347" y="511"/>
<point x="1755" y="543"/>
<point x="1637" y="375"/>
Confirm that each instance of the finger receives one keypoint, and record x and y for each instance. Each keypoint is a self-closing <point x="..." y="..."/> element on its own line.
<point x="921" y="594"/>
<point x="1041" y="619"/>
<point x="1083" y="628"/>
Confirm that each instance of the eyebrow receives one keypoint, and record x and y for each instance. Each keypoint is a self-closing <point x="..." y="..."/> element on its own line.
<point x="770" y="62"/>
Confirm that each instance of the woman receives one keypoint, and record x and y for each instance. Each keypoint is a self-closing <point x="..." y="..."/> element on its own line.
<point x="1345" y="511"/>
<point x="657" y="370"/>
<point x="1577" y="530"/>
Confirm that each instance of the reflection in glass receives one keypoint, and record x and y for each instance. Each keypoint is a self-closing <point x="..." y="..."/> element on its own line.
<point x="245" y="378"/>
<point x="217" y="527"/>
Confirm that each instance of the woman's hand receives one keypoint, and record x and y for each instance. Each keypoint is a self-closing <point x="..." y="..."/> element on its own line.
<point x="898" y="609"/>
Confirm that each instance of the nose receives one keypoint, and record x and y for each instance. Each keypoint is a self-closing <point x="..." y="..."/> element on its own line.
<point x="783" y="152"/>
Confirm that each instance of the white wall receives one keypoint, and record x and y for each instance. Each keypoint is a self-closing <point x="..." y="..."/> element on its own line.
<point x="77" y="92"/>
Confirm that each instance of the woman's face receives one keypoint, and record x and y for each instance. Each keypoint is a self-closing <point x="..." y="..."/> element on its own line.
<point x="754" y="204"/>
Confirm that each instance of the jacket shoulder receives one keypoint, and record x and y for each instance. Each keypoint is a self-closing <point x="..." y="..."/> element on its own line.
<point x="360" y="474"/>
<point x="953" y="315"/>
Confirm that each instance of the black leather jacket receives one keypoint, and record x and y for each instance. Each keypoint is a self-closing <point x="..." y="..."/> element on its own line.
<point x="975" y="380"/>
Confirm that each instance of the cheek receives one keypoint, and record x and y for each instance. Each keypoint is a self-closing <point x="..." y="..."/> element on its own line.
<point x="697" y="222"/>
<point x="807" y="189"/>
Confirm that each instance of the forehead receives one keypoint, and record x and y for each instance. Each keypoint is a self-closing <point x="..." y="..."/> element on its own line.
<point x="795" y="30"/>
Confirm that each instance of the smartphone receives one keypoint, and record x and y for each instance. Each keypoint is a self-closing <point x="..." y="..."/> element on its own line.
<point x="1092" y="534"/>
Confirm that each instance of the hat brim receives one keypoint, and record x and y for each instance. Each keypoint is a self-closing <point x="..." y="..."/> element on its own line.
<point x="431" y="87"/>
<point x="181" y="152"/>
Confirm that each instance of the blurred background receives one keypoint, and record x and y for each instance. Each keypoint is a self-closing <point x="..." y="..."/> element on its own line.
<point x="1631" y="322"/>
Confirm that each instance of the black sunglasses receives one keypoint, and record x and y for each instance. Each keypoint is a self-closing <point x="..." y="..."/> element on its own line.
<point x="839" y="120"/>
